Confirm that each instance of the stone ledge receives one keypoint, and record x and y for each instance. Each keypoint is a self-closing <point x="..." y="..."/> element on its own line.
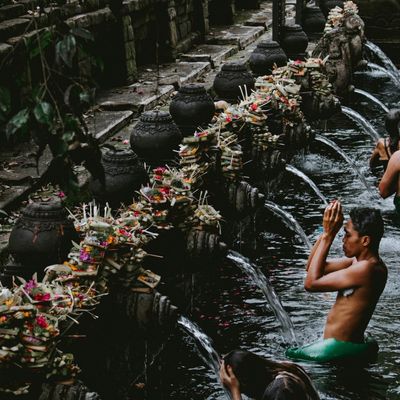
<point x="103" y="124"/>
<point x="12" y="27"/>
<point x="138" y="97"/>
<point x="91" y="19"/>
<point x="238" y="35"/>
<point x="212" y="53"/>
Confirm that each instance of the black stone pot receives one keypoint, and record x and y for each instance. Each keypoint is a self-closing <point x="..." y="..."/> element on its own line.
<point x="155" y="137"/>
<point x="327" y="5"/>
<point x="228" y="80"/>
<point x="42" y="235"/>
<point x="124" y="174"/>
<point x="313" y="21"/>
<point x="294" y="42"/>
<point x="191" y="108"/>
<point x="265" y="55"/>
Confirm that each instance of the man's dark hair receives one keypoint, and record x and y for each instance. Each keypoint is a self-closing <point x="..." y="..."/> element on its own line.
<point x="368" y="222"/>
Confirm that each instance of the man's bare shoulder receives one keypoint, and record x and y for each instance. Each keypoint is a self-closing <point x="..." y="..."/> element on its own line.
<point x="369" y="266"/>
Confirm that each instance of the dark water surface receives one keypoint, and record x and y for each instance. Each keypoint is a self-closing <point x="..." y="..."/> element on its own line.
<point x="233" y="312"/>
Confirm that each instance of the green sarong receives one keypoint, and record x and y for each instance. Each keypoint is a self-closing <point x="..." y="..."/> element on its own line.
<point x="396" y="202"/>
<point x="332" y="349"/>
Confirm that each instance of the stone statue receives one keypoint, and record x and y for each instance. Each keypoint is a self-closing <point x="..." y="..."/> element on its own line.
<point x="354" y="29"/>
<point x="336" y="45"/>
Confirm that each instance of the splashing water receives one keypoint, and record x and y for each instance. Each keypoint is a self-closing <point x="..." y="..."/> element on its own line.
<point x="289" y="220"/>
<point x="349" y="161"/>
<point x="373" y="98"/>
<point x="361" y="121"/>
<point x="390" y="74"/>
<point x="204" y="345"/>
<point x="308" y="180"/>
<point x="386" y="61"/>
<point x="263" y="283"/>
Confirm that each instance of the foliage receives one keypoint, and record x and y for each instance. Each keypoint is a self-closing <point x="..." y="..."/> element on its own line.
<point x="52" y="112"/>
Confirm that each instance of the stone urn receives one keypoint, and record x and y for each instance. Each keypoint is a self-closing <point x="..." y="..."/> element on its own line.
<point x="313" y="21"/>
<point x="124" y="174"/>
<point x="294" y="42"/>
<point x="232" y="76"/>
<point x="191" y="108"/>
<point x="155" y="137"/>
<point x="327" y="5"/>
<point x="265" y="56"/>
<point x="42" y="235"/>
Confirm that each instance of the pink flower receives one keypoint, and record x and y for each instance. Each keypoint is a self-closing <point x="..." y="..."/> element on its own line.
<point x="30" y="285"/>
<point x="126" y="141"/>
<point x="84" y="256"/>
<point x="61" y="195"/>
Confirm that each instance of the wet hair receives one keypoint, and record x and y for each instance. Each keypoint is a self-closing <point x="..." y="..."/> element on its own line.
<point x="257" y="375"/>
<point x="392" y="125"/>
<point x="368" y="222"/>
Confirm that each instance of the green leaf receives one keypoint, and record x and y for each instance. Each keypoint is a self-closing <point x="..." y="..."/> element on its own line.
<point x="66" y="50"/>
<point x="44" y="113"/>
<point x="18" y="122"/>
<point x="82" y="33"/>
<point x="68" y="136"/>
<point x="5" y="100"/>
<point x="39" y="43"/>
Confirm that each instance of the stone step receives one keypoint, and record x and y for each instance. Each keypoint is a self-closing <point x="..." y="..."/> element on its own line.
<point x="104" y="124"/>
<point x="139" y="97"/>
<point x="238" y="35"/>
<point x="13" y="27"/>
<point x="11" y="11"/>
<point x="215" y="54"/>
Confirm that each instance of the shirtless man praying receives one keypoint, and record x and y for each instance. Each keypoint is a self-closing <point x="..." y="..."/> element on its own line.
<point x="359" y="279"/>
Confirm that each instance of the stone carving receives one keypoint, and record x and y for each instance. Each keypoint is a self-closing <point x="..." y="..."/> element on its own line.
<point x="342" y="45"/>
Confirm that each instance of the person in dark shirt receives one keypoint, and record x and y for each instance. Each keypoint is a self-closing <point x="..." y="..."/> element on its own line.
<point x="264" y="379"/>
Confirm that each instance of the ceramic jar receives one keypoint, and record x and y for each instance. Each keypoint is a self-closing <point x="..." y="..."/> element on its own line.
<point x="192" y="107"/>
<point x="294" y="41"/>
<point x="232" y="76"/>
<point x="155" y="137"/>
<point x="313" y="21"/>
<point x="124" y="174"/>
<point x="265" y="55"/>
<point x="42" y="235"/>
<point x="327" y="5"/>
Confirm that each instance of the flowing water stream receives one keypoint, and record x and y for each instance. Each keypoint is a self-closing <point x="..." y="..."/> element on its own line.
<point x="262" y="282"/>
<point x="361" y="121"/>
<point x="343" y="154"/>
<point x="372" y="98"/>
<point x="309" y="181"/>
<point x="384" y="71"/>
<point x="386" y="61"/>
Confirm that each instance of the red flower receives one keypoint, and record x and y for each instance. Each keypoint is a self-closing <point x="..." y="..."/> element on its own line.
<point x="228" y="119"/>
<point x="42" y="321"/>
<point x="254" y="106"/>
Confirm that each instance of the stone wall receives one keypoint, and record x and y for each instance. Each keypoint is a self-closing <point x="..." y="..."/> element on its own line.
<point x="127" y="33"/>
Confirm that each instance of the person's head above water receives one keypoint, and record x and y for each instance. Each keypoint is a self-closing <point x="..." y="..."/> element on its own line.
<point x="363" y="231"/>
<point x="257" y="377"/>
<point x="392" y="125"/>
